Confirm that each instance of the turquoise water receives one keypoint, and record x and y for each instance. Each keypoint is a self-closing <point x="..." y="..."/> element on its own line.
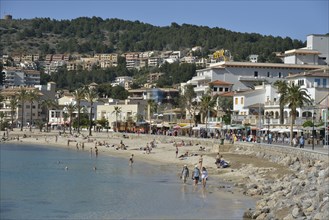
<point x="34" y="184"/>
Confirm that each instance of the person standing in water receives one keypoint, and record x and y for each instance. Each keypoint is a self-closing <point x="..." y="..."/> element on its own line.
<point x="204" y="176"/>
<point x="196" y="175"/>
<point x="131" y="160"/>
<point x="185" y="173"/>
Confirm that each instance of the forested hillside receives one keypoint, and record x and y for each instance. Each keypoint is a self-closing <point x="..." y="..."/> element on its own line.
<point x="96" y="35"/>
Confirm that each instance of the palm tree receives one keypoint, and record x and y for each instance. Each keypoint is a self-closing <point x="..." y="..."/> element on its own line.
<point x="295" y="97"/>
<point x="22" y="97"/>
<point x="282" y="90"/>
<point x="91" y="96"/>
<point x="70" y="110"/>
<point x="13" y="104"/>
<point x="32" y="96"/>
<point x="48" y="104"/>
<point x="207" y="103"/>
<point x="116" y="111"/>
<point x="151" y="108"/>
<point x="189" y="100"/>
<point x="2" y="117"/>
<point x="79" y="95"/>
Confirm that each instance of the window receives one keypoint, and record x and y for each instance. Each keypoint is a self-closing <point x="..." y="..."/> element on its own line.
<point x="215" y="89"/>
<point x="317" y="82"/>
<point x="52" y="114"/>
<point x="221" y="89"/>
<point x="324" y="82"/>
<point x="236" y="101"/>
<point x="241" y="100"/>
<point x="226" y="89"/>
<point x="280" y="75"/>
<point x="255" y="73"/>
<point x="27" y="106"/>
<point x="301" y="82"/>
<point x="268" y="74"/>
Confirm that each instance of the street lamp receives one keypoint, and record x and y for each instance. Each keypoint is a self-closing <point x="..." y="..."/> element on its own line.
<point x="268" y="116"/>
<point x="313" y="117"/>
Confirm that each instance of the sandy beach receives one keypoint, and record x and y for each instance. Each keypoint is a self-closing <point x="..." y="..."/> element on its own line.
<point x="164" y="151"/>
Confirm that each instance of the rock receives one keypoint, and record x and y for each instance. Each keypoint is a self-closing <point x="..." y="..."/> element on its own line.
<point x="297" y="212"/>
<point x="248" y="214"/>
<point x="265" y="209"/>
<point x="306" y="203"/>
<point x="256" y="214"/>
<point x="261" y="216"/>
<point x="252" y="186"/>
<point x="319" y="216"/>
<point x="289" y="217"/>
<point x="261" y="203"/>
<point x="309" y="210"/>
<point x="324" y="173"/>
<point x="287" y="161"/>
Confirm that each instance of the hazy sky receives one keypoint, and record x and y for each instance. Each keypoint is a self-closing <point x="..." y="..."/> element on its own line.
<point x="292" y="18"/>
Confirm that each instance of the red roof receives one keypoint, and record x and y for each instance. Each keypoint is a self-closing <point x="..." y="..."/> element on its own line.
<point x="220" y="83"/>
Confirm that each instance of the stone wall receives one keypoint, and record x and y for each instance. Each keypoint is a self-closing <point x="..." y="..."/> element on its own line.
<point x="276" y="150"/>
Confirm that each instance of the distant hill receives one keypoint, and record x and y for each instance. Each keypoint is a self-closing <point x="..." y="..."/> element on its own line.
<point x="96" y="35"/>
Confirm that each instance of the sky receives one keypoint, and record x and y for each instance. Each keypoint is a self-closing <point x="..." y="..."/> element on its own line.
<point x="286" y="18"/>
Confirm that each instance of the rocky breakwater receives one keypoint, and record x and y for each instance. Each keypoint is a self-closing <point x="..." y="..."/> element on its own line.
<point x="302" y="193"/>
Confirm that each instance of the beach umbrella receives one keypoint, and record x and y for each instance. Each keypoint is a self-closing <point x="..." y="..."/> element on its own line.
<point x="177" y="127"/>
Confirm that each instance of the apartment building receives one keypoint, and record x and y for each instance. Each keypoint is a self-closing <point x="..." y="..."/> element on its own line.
<point x="244" y="75"/>
<point x="251" y="106"/>
<point x="154" y="77"/>
<point x="17" y="76"/>
<point x="45" y="92"/>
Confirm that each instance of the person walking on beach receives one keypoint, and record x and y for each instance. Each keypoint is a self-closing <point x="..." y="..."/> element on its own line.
<point x="131" y="160"/>
<point x="301" y="142"/>
<point x="196" y="175"/>
<point x="204" y="176"/>
<point x="176" y="151"/>
<point x="185" y="173"/>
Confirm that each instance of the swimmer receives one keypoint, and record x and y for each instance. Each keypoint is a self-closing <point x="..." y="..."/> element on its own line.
<point x="66" y="168"/>
<point x="95" y="168"/>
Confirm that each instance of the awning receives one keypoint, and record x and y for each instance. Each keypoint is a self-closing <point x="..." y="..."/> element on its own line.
<point x="177" y="127"/>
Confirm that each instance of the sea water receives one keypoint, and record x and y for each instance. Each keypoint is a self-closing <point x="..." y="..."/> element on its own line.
<point x="39" y="182"/>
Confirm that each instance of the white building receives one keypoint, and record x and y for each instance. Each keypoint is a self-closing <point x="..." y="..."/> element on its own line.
<point x="253" y="58"/>
<point x="244" y="75"/>
<point x="249" y="107"/>
<point x="320" y="43"/>
<point x="301" y="56"/>
<point x="20" y="77"/>
<point x="123" y="81"/>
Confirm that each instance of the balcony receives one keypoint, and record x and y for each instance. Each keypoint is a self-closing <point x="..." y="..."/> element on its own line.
<point x="201" y="78"/>
<point x="201" y="88"/>
<point x="252" y="78"/>
<point x="272" y="103"/>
